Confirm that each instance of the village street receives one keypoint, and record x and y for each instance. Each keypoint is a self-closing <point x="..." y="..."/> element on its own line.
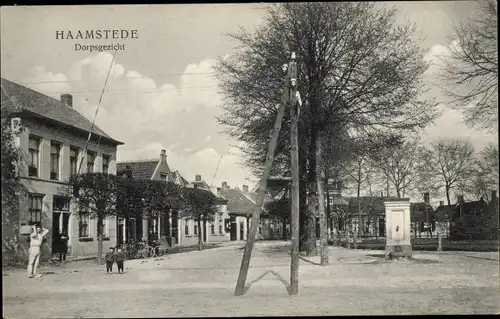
<point x="202" y="284"/>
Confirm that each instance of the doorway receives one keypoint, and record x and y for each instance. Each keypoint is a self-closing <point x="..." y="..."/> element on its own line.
<point x="242" y="231"/>
<point x="234" y="229"/>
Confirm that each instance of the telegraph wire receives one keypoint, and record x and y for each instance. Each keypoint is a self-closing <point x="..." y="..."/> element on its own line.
<point x="127" y="78"/>
<point x="96" y="111"/>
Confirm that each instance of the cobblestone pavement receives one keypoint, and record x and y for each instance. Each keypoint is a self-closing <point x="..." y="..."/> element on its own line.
<point x="202" y="284"/>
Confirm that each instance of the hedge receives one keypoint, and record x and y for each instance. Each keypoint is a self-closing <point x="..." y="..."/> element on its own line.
<point x="431" y="244"/>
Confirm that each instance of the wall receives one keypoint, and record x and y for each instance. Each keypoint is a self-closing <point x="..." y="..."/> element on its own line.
<point x="44" y="186"/>
<point x="192" y="238"/>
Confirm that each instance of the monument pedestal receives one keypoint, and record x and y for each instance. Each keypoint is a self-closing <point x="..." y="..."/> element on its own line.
<point x="397" y="223"/>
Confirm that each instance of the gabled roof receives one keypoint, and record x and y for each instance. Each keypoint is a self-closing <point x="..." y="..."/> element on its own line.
<point x="177" y="178"/>
<point x="20" y="99"/>
<point x="237" y="202"/>
<point x="142" y="169"/>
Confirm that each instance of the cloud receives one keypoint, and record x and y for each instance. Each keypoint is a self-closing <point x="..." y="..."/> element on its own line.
<point x="148" y="115"/>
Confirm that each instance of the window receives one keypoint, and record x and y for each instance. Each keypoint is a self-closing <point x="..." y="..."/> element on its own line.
<point x="35" y="209"/>
<point x="105" y="164"/>
<point x="163" y="177"/>
<point x="73" y="160"/>
<point x="84" y="222"/>
<point x="186" y="229"/>
<point x="105" y="224"/>
<point x="195" y="229"/>
<point x="90" y="161"/>
<point x="34" y="150"/>
<point x="212" y="228"/>
<point x="55" y="150"/>
<point x="60" y="204"/>
<point x="330" y="199"/>
<point x="221" y="223"/>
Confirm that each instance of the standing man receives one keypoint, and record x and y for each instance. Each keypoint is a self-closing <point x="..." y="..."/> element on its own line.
<point x="36" y="239"/>
<point x="63" y="246"/>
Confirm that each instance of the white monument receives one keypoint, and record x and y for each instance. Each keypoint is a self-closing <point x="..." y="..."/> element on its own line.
<point x="397" y="228"/>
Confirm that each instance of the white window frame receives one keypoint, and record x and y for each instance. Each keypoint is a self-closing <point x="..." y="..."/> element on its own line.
<point x="89" y="224"/>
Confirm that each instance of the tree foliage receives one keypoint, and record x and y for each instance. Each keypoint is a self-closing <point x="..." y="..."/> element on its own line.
<point x="199" y="205"/>
<point x="403" y="164"/>
<point x="356" y="69"/>
<point x="471" y="70"/>
<point x="449" y="162"/>
<point x="11" y="189"/>
<point x="96" y="194"/>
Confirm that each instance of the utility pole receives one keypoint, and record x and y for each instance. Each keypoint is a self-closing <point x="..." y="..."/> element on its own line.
<point x="294" y="143"/>
<point x="245" y="262"/>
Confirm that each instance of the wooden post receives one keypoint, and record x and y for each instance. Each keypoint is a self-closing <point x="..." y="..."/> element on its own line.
<point x="245" y="262"/>
<point x="294" y="221"/>
<point x="321" y="203"/>
<point x="440" y="246"/>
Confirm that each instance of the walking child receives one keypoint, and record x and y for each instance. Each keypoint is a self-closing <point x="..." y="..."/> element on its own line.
<point x="110" y="259"/>
<point x="120" y="259"/>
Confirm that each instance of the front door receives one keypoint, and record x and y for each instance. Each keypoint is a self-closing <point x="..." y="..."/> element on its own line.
<point x="242" y="231"/>
<point x="381" y="227"/>
<point x="55" y="232"/>
<point x="234" y="228"/>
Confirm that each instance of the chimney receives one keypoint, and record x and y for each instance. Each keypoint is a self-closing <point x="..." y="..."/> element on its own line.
<point x="163" y="155"/>
<point x="197" y="178"/>
<point x="245" y="188"/>
<point x="426" y="198"/>
<point x="441" y="203"/>
<point x="67" y="99"/>
<point x="224" y="184"/>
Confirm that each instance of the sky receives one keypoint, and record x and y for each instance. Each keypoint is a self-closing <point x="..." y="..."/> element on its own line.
<point x="161" y="92"/>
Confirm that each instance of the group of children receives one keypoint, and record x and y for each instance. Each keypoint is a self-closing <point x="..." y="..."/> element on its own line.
<point x="112" y="257"/>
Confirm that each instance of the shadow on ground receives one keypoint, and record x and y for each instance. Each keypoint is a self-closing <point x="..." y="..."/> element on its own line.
<point x="285" y="283"/>
<point x="380" y="258"/>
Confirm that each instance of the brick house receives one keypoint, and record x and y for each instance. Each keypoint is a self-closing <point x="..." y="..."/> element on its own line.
<point x="52" y="144"/>
<point x="166" y="226"/>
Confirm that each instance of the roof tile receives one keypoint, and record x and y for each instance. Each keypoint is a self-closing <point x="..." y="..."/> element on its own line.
<point x="35" y="102"/>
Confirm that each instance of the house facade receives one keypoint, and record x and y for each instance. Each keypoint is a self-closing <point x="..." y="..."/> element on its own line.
<point x="166" y="226"/>
<point x="53" y="146"/>
<point x="216" y="230"/>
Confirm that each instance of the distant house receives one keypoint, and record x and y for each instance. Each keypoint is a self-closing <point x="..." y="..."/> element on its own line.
<point x="53" y="146"/>
<point x="240" y="206"/>
<point x="166" y="226"/>
<point x="213" y="231"/>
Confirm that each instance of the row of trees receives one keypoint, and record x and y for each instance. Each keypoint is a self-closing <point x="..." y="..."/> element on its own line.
<point x="360" y="78"/>
<point x="105" y="195"/>
<point x="447" y="167"/>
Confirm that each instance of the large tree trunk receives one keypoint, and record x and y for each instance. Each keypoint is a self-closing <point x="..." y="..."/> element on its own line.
<point x="358" y="217"/>
<point x="311" y="187"/>
<point x="321" y="203"/>
<point x="302" y="196"/>
<point x="200" y="234"/>
<point x="99" y="240"/>
<point x="447" y="189"/>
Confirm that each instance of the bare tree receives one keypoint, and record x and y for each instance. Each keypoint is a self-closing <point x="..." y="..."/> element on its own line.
<point x="471" y="70"/>
<point x="484" y="176"/>
<point x="402" y="164"/>
<point x="356" y="69"/>
<point x="450" y="161"/>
